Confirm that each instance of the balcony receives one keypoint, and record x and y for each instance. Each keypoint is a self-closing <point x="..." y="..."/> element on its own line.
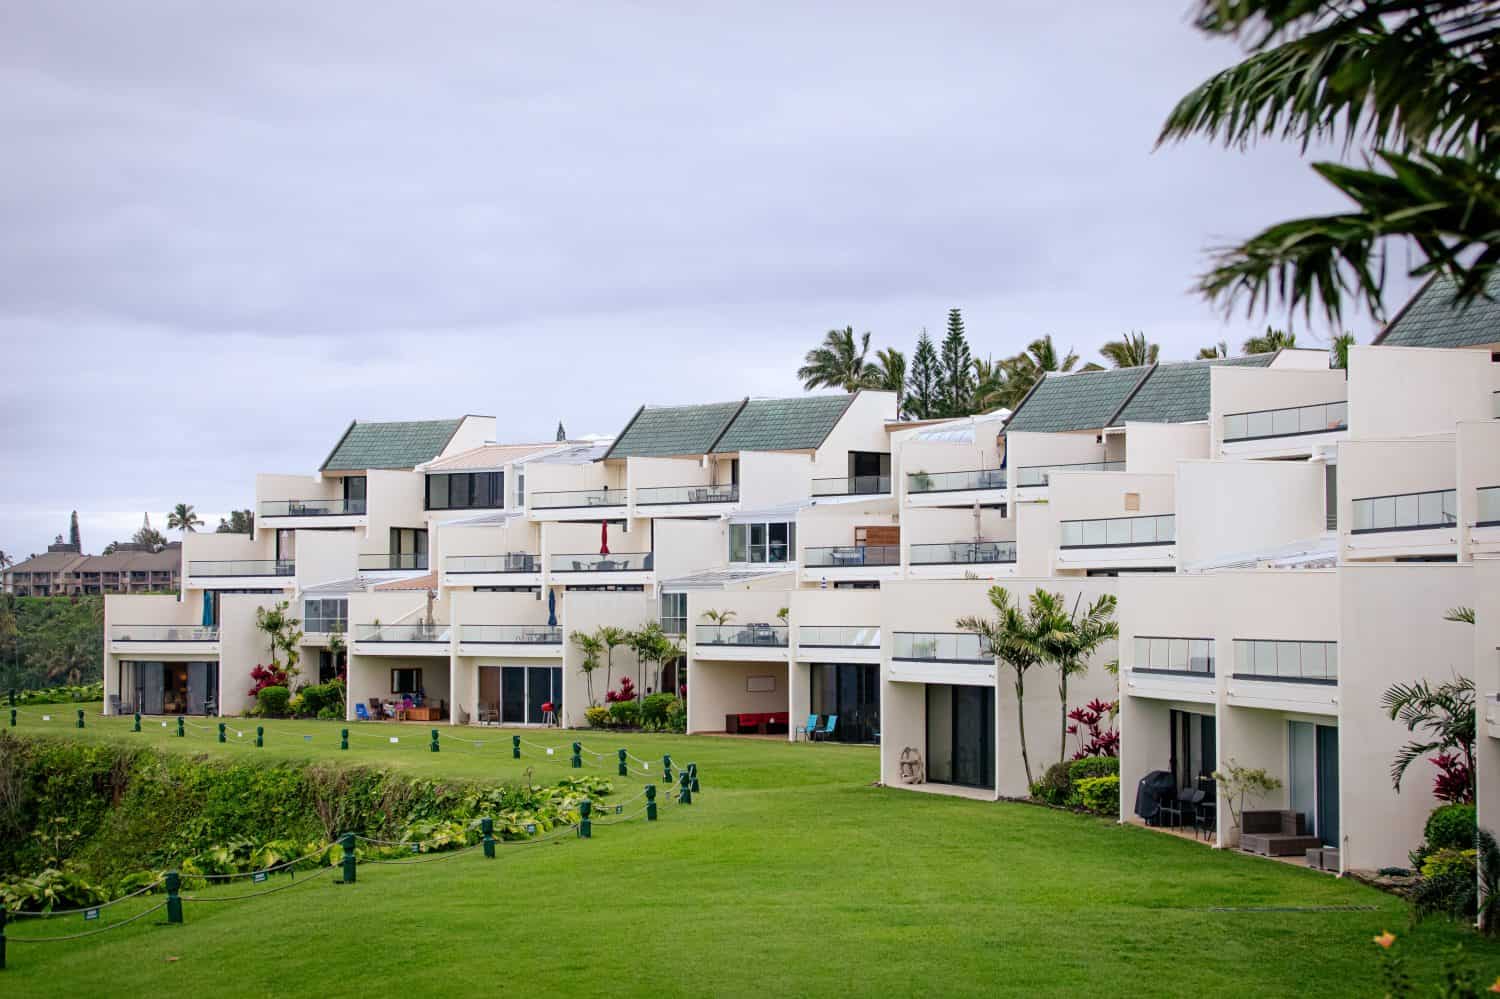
<point x="1173" y="668"/>
<point x="394" y="562"/>
<point x="332" y="512"/>
<point x="1404" y="524"/>
<point x="853" y="485"/>
<point x="163" y="639"/>
<point x="936" y="489"/>
<point x="1032" y="476"/>
<point x="941" y="657"/>
<point x="957" y="559"/>
<point x="685" y="496"/>
<point x="510" y="569"/>
<point x="1118" y="542"/>
<point x="402" y="639"/>
<point x="527" y="640"/>
<point x="238" y="573"/>
<point x="623" y="568"/>
<point x="1251" y="431"/>
<point x="1285" y="675"/>
<point x="851" y="562"/>
<point x="576" y="504"/>
<point x="1489" y="507"/>
<point x="838" y="643"/>
<point x="737" y="642"/>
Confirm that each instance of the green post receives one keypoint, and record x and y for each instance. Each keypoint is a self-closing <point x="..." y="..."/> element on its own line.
<point x="260" y="736"/>
<point x="181" y="727"/>
<point x="12" y="697"/>
<point x="12" y="717"/>
<point x="515" y="747"/>
<point x="80" y="718"/>
<point x="650" y="802"/>
<point x="624" y="770"/>
<point x="343" y="738"/>
<point x="2" y="938"/>
<point x="693" y="771"/>
<point x="684" y="789"/>
<point x="222" y="736"/>
<point x="585" y="827"/>
<point x="666" y="768"/>
<point x="174" y="901"/>
<point x="347" y="842"/>
<point x="577" y="755"/>
<point x="433" y="745"/>
<point x="487" y="827"/>
<point x="137" y="722"/>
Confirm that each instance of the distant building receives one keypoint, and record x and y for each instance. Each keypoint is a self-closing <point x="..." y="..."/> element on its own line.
<point x="63" y="571"/>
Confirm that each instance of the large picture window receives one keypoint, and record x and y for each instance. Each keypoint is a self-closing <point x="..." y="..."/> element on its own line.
<point x="466" y="491"/>
<point x="770" y="542"/>
<point x="323" y="615"/>
<point x="674" y="613"/>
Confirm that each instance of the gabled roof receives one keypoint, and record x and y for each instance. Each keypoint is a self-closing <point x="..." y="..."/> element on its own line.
<point x="666" y="431"/>
<point x="1080" y="400"/>
<point x="390" y="445"/>
<point x="800" y="424"/>
<point x="1432" y="319"/>
<point x="1178" y="392"/>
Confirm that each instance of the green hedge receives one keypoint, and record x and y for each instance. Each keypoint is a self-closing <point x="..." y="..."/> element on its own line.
<point x="1100" y="795"/>
<point x="1452" y="827"/>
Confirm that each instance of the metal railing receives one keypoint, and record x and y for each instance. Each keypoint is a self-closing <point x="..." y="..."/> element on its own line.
<point x="1119" y="532"/>
<point x="1405" y="511"/>
<point x="1305" y="662"/>
<point x="939" y="646"/>
<point x="852" y="485"/>
<point x="569" y="498"/>
<point x="622" y="562"/>
<point x="769" y="635"/>
<point x="829" y="636"/>
<point x="949" y="482"/>
<point x="1157" y="654"/>
<point x="312" y="508"/>
<point x="1037" y="475"/>
<point x="394" y="562"/>
<point x="851" y="556"/>
<point x="162" y="633"/>
<point x="510" y="634"/>
<point x="1288" y="421"/>
<point x="963" y="553"/>
<point x="1489" y="506"/>
<point x="661" y="495"/>
<point x="402" y="632"/>
<point x="509" y="562"/>
<point x="243" y="567"/>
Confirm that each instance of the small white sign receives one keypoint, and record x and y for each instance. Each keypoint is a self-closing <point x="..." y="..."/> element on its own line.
<point x="549" y="752"/>
<point x="258" y="877"/>
<point x="416" y="848"/>
<point x="619" y="809"/>
<point x="307" y="738"/>
<point x="239" y="734"/>
<point x="49" y="718"/>
<point x="395" y="739"/>
<point x="531" y="828"/>
<point x="645" y="766"/>
<point x="90" y="914"/>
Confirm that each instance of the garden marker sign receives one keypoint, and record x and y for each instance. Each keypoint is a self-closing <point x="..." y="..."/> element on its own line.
<point x="258" y="877"/>
<point x="90" y="914"/>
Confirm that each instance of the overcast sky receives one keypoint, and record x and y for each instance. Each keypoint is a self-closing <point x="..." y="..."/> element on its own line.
<point x="230" y="228"/>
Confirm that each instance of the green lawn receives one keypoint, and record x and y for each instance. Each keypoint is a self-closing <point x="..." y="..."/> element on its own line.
<point x="789" y="875"/>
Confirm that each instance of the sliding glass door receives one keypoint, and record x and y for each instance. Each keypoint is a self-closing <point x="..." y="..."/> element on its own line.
<point x="851" y="691"/>
<point x="961" y="735"/>
<point x="523" y="691"/>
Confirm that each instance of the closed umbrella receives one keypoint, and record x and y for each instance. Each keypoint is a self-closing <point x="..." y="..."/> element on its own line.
<point x="603" y="537"/>
<point x="208" y="609"/>
<point x="552" y="608"/>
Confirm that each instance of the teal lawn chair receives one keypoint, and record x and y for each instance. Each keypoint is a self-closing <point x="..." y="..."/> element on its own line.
<point x="806" y="731"/>
<point x="827" y="730"/>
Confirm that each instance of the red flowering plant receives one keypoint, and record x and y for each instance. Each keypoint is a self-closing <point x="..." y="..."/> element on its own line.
<point x="625" y="693"/>
<point x="1093" y="724"/>
<point x="1453" y="783"/>
<point x="268" y="676"/>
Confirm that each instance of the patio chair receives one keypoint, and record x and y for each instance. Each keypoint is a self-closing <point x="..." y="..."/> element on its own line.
<point x="360" y="713"/>
<point x="1172" y="809"/>
<point x="376" y="711"/>
<point x="807" y="730"/>
<point x="822" y="734"/>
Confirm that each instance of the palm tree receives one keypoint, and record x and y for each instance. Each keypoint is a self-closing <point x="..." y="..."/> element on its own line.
<point x="889" y="373"/>
<point x="6" y="561"/>
<point x="239" y="522"/>
<point x="183" y="518"/>
<point x="1269" y="342"/>
<point x="1068" y="640"/>
<point x="839" y="363"/>
<point x="1027" y="368"/>
<point x="1014" y="639"/>
<point x="1406" y="84"/>
<point x="1131" y="351"/>
<point x="1218" y="350"/>
<point x="1340" y="350"/>
<point x="1444" y="712"/>
<point x="590" y="646"/>
<point x="612" y="638"/>
<point x="991" y="385"/>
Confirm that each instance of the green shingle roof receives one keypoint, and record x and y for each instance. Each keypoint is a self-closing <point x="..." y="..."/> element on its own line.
<point x="1432" y="320"/>
<point x="783" y="424"/>
<point x="390" y="445"/>
<point x="664" y="431"/>
<point x="1178" y="392"/>
<point x="1081" y="400"/>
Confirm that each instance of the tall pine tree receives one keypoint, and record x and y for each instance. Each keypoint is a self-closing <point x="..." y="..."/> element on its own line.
<point x="923" y="380"/>
<point x="956" y="396"/>
<point x="73" y="535"/>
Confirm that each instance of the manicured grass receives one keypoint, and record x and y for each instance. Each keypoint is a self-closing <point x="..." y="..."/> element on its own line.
<point x="788" y="875"/>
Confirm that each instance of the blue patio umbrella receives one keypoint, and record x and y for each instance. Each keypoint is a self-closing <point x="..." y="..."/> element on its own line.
<point x="552" y="608"/>
<point x="208" y="609"/>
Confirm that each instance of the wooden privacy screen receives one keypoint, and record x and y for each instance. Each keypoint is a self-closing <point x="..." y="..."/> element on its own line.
<point x="877" y="535"/>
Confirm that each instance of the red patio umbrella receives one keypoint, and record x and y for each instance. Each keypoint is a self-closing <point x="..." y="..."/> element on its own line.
<point x="603" y="537"/>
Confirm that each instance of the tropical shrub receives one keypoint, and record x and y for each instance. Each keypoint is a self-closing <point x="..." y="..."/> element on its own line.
<point x="330" y="713"/>
<point x="1093" y="766"/>
<point x="1452" y="827"/>
<point x="311" y="700"/>
<point x="1055" y="787"/>
<point x="597" y="717"/>
<point x="1100" y="795"/>
<point x="1093" y="725"/>
<point x="654" y="710"/>
<point x="51" y="889"/>
<point x="62" y="695"/>
<point x="677" y="714"/>
<point x="273" y="702"/>
<point x="625" y="693"/>
<point x="1450" y="861"/>
<point x="268" y="676"/>
<point x="625" y="714"/>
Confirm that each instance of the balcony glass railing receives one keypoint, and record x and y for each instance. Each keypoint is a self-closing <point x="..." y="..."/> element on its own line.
<point x="394" y="562"/>
<point x="950" y="482"/>
<point x="1488" y="514"/>
<point x="1406" y="511"/>
<point x="565" y="499"/>
<point x="1037" y="475"/>
<point x="1119" y="532"/>
<point x="1308" y="662"/>
<point x="852" y="485"/>
<point x="770" y="635"/>
<point x="963" y="553"/>
<point x="851" y="556"/>
<point x="826" y="636"/>
<point x="243" y="567"/>
<point x="313" y="508"/>
<point x="510" y="634"/>
<point x="621" y="562"/>
<point x="938" y="646"/>
<point x="509" y="562"/>
<point x="1175" y="655"/>
<point x="161" y="633"/>
<point x="1290" y="421"/>
<point x="661" y="495"/>
<point x="402" y="632"/>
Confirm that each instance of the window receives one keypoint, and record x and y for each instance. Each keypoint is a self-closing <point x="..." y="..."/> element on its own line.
<point x="406" y="681"/>
<point x="322" y="615"/>
<point x="466" y="491"/>
<point x="674" y="613"/>
<point x="1306" y="662"/>
<point x="769" y="542"/>
<point x="520" y="485"/>
<point x="354" y="493"/>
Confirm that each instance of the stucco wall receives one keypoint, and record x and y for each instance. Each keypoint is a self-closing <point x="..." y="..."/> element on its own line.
<point x="1233" y="507"/>
<point x="1413" y="390"/>
<point x="1156" y="448"/>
